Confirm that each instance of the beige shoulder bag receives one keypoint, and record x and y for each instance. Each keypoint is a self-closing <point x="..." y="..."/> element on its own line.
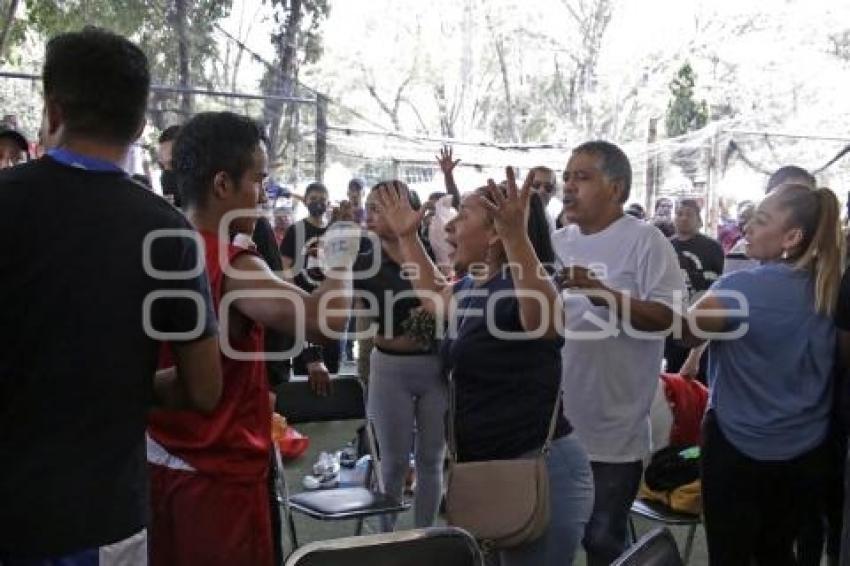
<point x="503" y="503"/>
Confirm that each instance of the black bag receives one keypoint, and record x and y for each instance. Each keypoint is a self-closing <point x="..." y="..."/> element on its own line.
<point x="668" y="469"/>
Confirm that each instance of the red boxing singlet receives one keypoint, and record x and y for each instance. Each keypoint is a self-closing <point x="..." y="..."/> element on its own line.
<point x="235" y="439"/>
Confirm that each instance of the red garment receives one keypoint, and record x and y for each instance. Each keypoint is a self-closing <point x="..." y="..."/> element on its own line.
<point x="687" y="399"/>
<point x="235" y="440"/>
<point x="728" y="235"/>
<point x="197" y="519"/>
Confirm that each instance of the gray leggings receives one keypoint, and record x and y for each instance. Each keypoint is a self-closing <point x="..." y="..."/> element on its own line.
<point x="403" y="391"/>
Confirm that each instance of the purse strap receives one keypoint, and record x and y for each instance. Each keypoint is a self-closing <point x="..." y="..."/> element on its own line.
<point x="452" y="439"/>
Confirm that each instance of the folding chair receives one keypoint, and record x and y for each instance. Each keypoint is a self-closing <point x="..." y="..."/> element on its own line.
<point x="656" y="548"/>
<point x="443" y="546"/>
<point x="297" y="402"/>
<point x="660" y="513"/>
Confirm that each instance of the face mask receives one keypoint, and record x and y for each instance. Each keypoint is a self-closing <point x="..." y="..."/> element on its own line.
<point x="168" y="181"/>
<point x="317" y="208"/>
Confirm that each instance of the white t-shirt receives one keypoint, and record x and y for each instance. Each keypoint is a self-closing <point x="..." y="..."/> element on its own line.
<point x="553" y="210"/>
<point x="610" y="380"/>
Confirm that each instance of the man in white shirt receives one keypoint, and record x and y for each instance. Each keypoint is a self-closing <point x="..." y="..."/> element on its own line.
<point x="623" y="281"/>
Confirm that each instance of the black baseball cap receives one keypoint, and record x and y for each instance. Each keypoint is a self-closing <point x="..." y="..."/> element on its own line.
<point x="18" y="137"/>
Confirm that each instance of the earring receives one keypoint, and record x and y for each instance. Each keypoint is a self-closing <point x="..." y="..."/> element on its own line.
<point x="784" y="254"/>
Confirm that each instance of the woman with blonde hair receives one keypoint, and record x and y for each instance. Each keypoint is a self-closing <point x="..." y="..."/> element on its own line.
<point x="772" y="353"/>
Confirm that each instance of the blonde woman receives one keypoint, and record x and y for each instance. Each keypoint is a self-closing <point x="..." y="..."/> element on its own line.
<point x="764" y="454"/>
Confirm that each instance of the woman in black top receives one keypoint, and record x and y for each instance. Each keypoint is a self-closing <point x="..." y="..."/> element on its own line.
<point x="505" y="354"/>
<point x="407" y="391"/>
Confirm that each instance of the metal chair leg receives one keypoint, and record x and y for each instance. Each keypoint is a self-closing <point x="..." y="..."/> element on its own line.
<point x="632" y="530"/>
<point x="359" y="530"/>
<point x="290" y="522"/>
<point x="689" y="544"/>
<point x="283" y="498"/>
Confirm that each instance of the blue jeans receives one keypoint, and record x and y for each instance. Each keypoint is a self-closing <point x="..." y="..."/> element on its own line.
<point x="616" y="486"/>
<point x="571" y="501"/>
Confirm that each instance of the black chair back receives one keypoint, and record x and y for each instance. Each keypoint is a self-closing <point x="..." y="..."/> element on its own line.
<point x="297" y="402"/>
<point x="441" y="546"/>
<point x="656" y="548"/>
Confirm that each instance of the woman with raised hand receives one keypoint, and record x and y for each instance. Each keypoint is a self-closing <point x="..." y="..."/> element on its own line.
<point x="407" y="391"/>
<point x="772" y="354"/>
<point x="505" y="353"/>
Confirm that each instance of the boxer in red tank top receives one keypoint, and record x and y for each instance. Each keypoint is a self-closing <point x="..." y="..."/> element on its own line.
<point x="209" y="489"/>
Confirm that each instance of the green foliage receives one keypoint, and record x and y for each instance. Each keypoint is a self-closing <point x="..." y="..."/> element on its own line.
<point x="49" y="17"/>
<point x="309" y="40"/>
<point x="840" y="43"/>
<point x="283" y="76"/>
<point x="149" y="22"/>
<point x="17" y="35"/>
<point x="684" y="114"/>
<point x="152" y="24"/>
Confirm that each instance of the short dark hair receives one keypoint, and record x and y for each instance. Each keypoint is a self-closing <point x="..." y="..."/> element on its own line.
<point x="169" y="134"/>
<point x="790" y="173"/>
<point x="636" y="210"/>
<point x="692" y="204"/>
<point x="412" y="196"/>
<point x="315" y="187"/>
<point x="545" y="170"/>
<point x="358" y="184"/>
<point x="209" y="143"/>
<point x="100" y="81"/>
<point x="615" y="164"/>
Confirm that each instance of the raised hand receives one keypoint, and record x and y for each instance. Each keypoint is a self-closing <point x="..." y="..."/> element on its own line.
<point x="394" y="206"/>
<point x="447" y="164"/>
<point x="509" y="208"/>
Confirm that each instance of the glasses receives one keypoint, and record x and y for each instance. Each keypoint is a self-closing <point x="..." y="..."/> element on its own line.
<point x="548" y="187"/>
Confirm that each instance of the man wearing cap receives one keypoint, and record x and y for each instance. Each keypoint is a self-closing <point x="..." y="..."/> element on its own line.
<point x="14" y="147"/>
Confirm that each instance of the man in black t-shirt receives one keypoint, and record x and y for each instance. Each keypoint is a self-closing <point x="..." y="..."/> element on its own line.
<point x="701" y="260"/>
<point x="299" y="250"/>
<point x="83" y="314"/>
<point x="299" y="244"/>
<point x="700" y="257"/>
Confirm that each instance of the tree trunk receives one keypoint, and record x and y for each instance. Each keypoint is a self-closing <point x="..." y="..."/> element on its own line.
<point x="7" y="27"/>
<point x="287" y="62"/>
<point x="283" y="79"/>
<point x="156" y="113"/>
<point x="466" y="72"/>
<point x="651" y="166"/>
<point x="321" y="136"/>
<point x="183" y="57"/>
<point x="506" y="83"/>
<point x="240" y="45"/>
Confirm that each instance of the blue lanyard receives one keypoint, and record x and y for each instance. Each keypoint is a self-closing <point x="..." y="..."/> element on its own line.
<point x="71" y="159"/>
